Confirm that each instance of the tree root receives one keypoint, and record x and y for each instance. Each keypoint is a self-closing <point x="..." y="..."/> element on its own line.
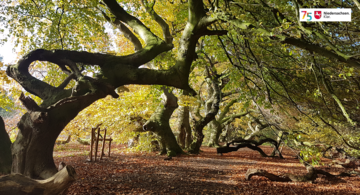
<point x="348" y="163"/>
<point x="309" y="177"/>
<point x="17" y="184"/>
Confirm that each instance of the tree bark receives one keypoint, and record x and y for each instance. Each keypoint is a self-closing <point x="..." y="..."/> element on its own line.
<point x="5" y="149"/>
<point x="17" y="184"/>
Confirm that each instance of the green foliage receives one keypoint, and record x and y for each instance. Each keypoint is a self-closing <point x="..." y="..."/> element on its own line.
<point x="145" y="143"/>
<point x="311" y="155"/>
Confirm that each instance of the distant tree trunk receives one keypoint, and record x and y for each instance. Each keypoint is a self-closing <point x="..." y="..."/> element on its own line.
<point x="217" y="124"/>
<point x="215" y="131"/>
<point x="5" y="149"/>
<point x="187" y="127"/>
<point x="181" y="128"/>
<point x="212" y="107"/>
<point x="159" y="124"/>
<point x="184" y="128"/>
<point x="276" y="147"/>
<point x="64" y="142"/>
<point x="181" y="137"/>
<point x="83" y="141"/>
<point x="224" y="134"/>
<point x="199" y="137"/>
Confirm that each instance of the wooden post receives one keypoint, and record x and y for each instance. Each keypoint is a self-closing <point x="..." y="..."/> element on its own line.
<point x="103" y="145"/>
<point x="110" y="145"/>
<point x="97" y="143"/>
<point x="91" y="142"/>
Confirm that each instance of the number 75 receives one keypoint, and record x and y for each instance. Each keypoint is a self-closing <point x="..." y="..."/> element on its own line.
<point x="306" y="14"/>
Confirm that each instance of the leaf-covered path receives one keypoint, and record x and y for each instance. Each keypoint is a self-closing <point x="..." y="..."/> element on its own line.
<point x="207" y="173"/>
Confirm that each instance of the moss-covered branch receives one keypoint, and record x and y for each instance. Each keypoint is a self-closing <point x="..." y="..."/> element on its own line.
<point x="138" y="27"/>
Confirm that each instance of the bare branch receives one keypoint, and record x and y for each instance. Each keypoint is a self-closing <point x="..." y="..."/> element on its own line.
<point x="61" y="38"/>
<point x="214" y="32"/>
<point x="322" y="51"/>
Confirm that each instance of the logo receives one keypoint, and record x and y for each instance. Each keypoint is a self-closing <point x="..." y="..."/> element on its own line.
<point x="325" y="15"/>
<point x="317" y="14"/>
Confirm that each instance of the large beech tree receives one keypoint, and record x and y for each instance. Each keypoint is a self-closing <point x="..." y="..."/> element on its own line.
<point x="41" y="125"/>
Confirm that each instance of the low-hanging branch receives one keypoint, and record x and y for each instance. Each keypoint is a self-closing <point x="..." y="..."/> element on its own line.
<point x="254" y="145"/>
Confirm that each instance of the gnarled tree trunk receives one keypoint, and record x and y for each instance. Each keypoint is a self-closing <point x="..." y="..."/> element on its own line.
<point x="159" y="124"/>
<point x="32" y="150"/>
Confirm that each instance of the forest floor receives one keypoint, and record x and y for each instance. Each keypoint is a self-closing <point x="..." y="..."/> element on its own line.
<point x="207" y="173"/>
